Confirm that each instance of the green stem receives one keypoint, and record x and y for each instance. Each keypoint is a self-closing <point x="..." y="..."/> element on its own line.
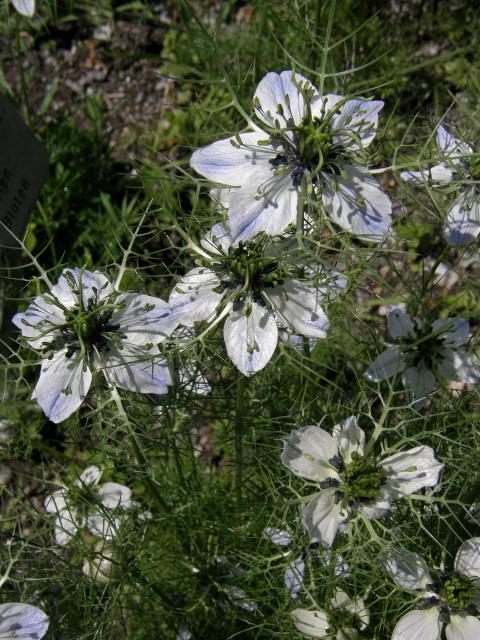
<point x="21" y="73"/>
<point x="240" y="417"/>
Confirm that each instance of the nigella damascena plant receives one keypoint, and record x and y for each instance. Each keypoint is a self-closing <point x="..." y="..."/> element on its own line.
<point x="22" y="621"/>
<point x="308" y="144"/>
<point x="350" y="479"/>
<point x="447" y="602"/>
<point x="83" y="324"/>
<point x="343" y="619"/>
<point x="458" y="171"/>
<point x="426" y="352"/>
<point x="258" y="293"/>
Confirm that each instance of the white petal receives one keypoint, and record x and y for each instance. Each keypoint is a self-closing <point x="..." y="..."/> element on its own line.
<point x="294" y="575"/>
<point x="307" y="452"/>
<point x="419" y="381"/>
<point x="278" y="536"/>
<point x="467" y="560"/>
<point x="381" y="505"/>
<point x="358" y="204"/>
<point x="400" y="324"/>
<point x="22" y="621"/>
<point x="143" y="319"/>
<point x="452" y="147"/>
<point x="462" y="627"/>
<point x="56" y="501"/>
<point x="103" y="526"/>
<point x="62" y="386"/>
<point x="239" y="598"/>
<point x="66" y="527"/>
<point x="311" y="623"/>
<point x="267" y="203"/>
<point x="389" y="363"/>
<point x="454" y="331"/>
<point x="355" y="606"/>
<point x="350" y="438"/>
<point x="439" y="174"/>
<point x="281" y="99"/>
<point x="25" y="8"/>
<point x="113" y="495"/>
<point x="457" y="365"/>
<point x="90" y="476"/>
<point x="463" y="220"/>
<point x="323" y="516"/>
<point x="134" y="371"/>
<point x="355" y="124"/>
<point x="233" y="161"/>
<point x="250" y="339"/>
<point x="409" y="471"/>
<point x="408" y="570"/>
<point x="217" y="240"/>
<point x="94" y="286"/>
<point x="421" y="624"/>
<point x="40" y="317"/>
<point x="193" y="299"/>
<point x="298" y="306"/>
<point x="192" y="379"/>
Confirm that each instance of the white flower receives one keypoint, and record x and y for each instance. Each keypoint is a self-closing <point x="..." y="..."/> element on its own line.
<point x="349" y="482"/>
<point x="23" y="621"/>
<point x="426" y="351"/>
<point x="82" y="325"/>
<point x="257" y="292"/>
<point x="307" y="139"/>
<point x="73" y="513"/>
<point x="25" y="7"/>
<point x="99" y="564"/>
<point x="460" y="168"/>
<point x="449" y="602"/>
<point x="343" y="620"/>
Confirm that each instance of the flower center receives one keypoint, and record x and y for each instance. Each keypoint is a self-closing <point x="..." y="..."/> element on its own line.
<point x="340" y="618"/>
<point x="424" y="348"/>
<point x="91" y="329"/>
<point x="249" y="267"/>
<point x="460" y="592"/>
<point x="362" y="479"/>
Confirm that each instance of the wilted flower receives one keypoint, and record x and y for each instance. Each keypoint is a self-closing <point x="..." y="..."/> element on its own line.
<point x="351" y="482"/>
<point x="25" y="7"/>
<point x="89" y="506"/>
<point x="426" y="351"/>
<point x="82" y="325"/>
<point x="258" y="292"/>
<point x="449" y="602"/>
<point x="342" y="621"/>
<point x="307" y="142"/>
<point x="459" y="168"/>
<point x="19" y="620"/>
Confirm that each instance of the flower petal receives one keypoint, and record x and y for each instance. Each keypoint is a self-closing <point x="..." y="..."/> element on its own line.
<point x="439" y="173"/>
<point x="458" y="365"/>
<point x="143" y="319"/>
<point x="311" y="623"/>
<point x="409" y="471"/>
<point x="66" y="526"/>
<point x="217" y="240"/>
<point x="233" y="161"/>
<point x="400" y="324"/>
<point x="113" y="495"/>
<point x="323" y="516"/>
<point x="25" y="7"/>
<point x="462" y="627"/>
<point x="408" y="570"/>
<point x="356" y="606"/>
<point x="103" y="525"/>
<point x="250" y="339"/>
<point x="193" y="299"/>
<point x="56" y="501"/>
<point x="355" y="123"/>
<point x="389" y="363"/>
<point x="62" y="386"/>
<point x="454" y="331"/>
<point x="39" y="322"/>
<point x="452" y="147"/>
<point x="420" y="624"/>
<point x="278" y="536"/>
<point x="90" y="476"/>
<point x="350" y="438"/>
<point x="298" y="306"/>
<point x="280" y="100"/>
<point x="267" y="203"/>
<point x="134" y="371"/>
<point x="418" y="381"/>
<point x="462" y="224"/>
<point x="467" y="560"/>
<point x="358" y="204"/>
<point x="94" y="286"/>
<point x="307" y="452"/>
<point x="294" y="575"/>
<point x="22" y="621"/>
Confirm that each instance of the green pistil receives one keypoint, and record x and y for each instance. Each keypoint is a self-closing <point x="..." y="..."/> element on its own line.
<point x="248" y="265"/>
<point x="314" y="141"/>
<point x="459" y="592"/>
<point x="362" y="479"/>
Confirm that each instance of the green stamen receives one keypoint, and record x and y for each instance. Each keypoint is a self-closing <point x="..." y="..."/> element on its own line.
<point x="362" y="479"/>
<point x="460" y="592"/>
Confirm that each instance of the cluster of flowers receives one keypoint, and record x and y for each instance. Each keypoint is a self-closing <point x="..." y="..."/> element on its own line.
<point x="309" y="153"/>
